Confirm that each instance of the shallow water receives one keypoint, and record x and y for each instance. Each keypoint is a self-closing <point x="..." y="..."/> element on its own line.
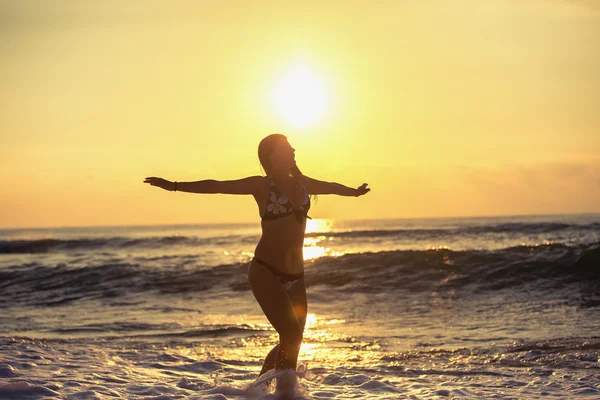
<point x="413" y="309"/>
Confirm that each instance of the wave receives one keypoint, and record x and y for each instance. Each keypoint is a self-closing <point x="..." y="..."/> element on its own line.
<point x="547" y="267"/>
<point x="514" y="228"/>
<point x="551" y="265"/>
<point x="114" y="243"/>
<point x="569" y="353"/>
<point x="131" y="330"/>
<point x="117" y="243"/>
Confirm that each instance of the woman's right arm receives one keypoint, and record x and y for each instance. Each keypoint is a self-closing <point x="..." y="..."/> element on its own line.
<point x="249" y="185"/>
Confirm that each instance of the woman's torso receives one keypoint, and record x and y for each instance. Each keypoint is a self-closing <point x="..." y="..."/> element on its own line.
<point x="282" y="238"/>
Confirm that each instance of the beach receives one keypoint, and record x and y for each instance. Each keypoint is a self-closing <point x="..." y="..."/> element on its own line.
<point x="463" y="308"/>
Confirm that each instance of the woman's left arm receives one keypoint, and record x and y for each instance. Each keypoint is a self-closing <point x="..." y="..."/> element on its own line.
<point x="315" y="186"/>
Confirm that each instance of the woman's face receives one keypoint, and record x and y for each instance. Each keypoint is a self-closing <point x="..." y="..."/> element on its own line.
<point x="282" y="157"/>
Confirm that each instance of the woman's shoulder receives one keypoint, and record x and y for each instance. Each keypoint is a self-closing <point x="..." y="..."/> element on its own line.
<point x="302" y="180"/>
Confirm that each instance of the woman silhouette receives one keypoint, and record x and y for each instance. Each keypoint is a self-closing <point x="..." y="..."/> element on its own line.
<point x="276" y="273"/>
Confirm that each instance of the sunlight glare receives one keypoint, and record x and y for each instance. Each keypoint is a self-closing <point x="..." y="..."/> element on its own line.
<point x="300" y="96"/>
<point x="311" y="319"/>
<point x="313" y="252"/>
<point x="318" y="225"/>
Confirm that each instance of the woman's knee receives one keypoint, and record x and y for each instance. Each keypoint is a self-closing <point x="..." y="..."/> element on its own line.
<point x="293" y="334"/>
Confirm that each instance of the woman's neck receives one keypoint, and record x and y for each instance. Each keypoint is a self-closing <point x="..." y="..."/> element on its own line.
<point x="279" y="174"/>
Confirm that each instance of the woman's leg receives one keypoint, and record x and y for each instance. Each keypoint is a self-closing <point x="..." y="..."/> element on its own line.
<point x="297" y="295"/>
<point x="279" y="310"/>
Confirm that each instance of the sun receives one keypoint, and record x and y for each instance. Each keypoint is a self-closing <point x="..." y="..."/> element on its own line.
<point x="300" y="96"/>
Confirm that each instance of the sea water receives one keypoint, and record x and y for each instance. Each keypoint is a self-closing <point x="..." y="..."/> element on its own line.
<point x="494" y="308"/>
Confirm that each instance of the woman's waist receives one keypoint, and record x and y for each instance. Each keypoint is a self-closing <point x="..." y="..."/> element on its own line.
<point x="281" y="245"/>
<point x="287" y="228"/>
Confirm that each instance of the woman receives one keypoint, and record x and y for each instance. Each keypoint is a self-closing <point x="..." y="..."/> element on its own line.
<point x="276" y="273"/>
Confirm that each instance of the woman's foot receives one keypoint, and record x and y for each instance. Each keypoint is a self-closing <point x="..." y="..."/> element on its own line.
<point x="287" y="382"/>
<point x="266" y="386"/>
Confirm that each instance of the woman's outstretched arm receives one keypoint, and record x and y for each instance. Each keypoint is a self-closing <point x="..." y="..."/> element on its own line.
<point x="247" y="185"/>
<point x="315" y="186"/>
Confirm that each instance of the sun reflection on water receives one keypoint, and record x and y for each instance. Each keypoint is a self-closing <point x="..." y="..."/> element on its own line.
<point x="321" y="344"/>
<point x="327" y="342"/>
<point x="313" y="247"/>
<point x="312" y="252"/>
<point x="311" y="320"/>
<point x="318" y="225"/>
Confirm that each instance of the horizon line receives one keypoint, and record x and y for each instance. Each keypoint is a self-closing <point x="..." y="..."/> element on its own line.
<point x="338" y="219"/>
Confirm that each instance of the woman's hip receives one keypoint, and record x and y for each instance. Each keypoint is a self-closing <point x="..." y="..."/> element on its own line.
<point x="287" y="279"/>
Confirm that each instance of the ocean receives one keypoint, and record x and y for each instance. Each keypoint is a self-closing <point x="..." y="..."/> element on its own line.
<point x="461" y="308"/>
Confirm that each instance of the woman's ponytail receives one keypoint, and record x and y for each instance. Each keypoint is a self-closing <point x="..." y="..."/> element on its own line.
<point x="295" y="171"/>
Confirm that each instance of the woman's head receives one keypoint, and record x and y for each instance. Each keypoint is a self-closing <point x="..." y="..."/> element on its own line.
<point x="276" y="154"/>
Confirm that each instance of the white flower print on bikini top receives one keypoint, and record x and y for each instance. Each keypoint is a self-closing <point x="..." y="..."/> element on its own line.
<point x="278" y="205"/>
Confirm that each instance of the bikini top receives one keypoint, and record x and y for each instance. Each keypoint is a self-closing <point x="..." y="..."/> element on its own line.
<point x="278" y="205"/>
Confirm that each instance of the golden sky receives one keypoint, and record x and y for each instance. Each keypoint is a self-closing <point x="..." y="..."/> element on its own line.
<point x="475" y="107"/>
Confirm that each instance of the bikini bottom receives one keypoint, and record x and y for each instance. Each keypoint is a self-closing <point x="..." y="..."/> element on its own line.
<point x="287" y="280"/>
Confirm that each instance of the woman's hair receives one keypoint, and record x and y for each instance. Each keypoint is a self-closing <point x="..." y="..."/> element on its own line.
<point x="265" y="148"/>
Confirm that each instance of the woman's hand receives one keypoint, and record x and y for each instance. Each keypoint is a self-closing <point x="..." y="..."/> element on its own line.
<point x="362" y="189"/>
<point x="160" y="182"/>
